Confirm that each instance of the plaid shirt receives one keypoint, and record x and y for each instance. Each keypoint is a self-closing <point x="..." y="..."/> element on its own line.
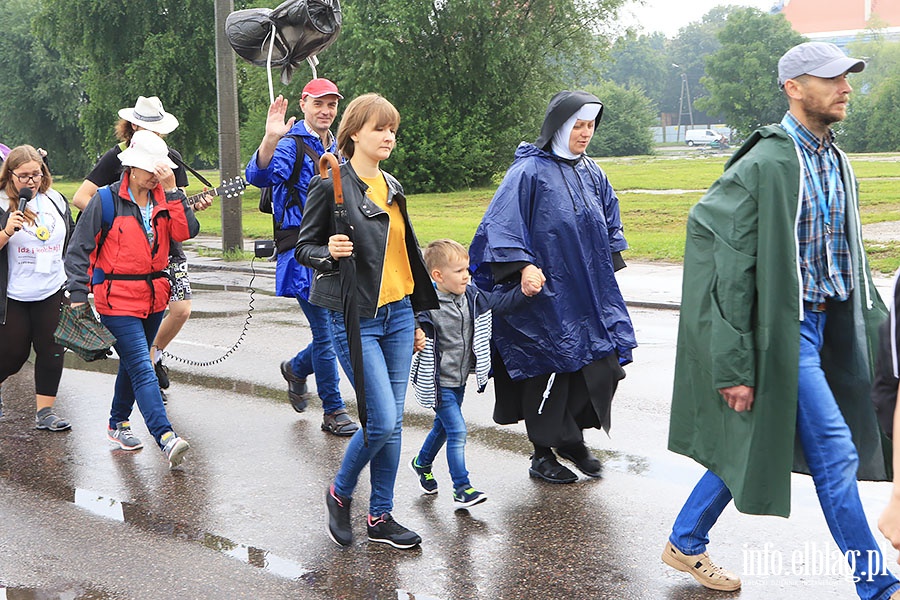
<point x="825" y="263"/>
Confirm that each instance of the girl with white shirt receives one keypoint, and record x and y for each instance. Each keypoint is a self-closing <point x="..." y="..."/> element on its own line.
<point x="32" y="277"/>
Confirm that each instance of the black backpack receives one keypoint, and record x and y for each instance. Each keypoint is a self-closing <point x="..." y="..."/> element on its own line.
<point x="285" y="238"/>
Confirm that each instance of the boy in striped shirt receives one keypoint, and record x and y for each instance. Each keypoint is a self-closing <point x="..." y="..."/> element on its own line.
<point x="451" y="342"/>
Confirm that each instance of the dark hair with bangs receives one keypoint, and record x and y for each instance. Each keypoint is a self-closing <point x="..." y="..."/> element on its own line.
<point x="368" y="107"/>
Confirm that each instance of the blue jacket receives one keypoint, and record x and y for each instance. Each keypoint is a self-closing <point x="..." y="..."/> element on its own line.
<point x="426" y="365"/>
<point x="291" y="278"/>
<point x="563" y="217"/>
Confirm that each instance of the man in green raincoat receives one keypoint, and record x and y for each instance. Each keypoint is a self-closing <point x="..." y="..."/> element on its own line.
<point x="778" y="324"/>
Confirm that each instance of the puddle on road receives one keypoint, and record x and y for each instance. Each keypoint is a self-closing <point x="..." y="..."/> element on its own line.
<point x="75" y="592"/>
<point x="501" y="439"/>
<point x="128" y="512"/>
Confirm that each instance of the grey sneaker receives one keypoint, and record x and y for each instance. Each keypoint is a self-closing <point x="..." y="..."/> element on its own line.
<point x="174" y="447"/>
<point x="122" y="436"/>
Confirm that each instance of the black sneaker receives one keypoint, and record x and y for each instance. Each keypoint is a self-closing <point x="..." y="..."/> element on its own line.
<point x="339" y="529"/>
<point x="466" y="497"/>
<point x="162" y="374"/>
<point x="426" y="478"/>
<point x="162" y="394"/>
<point x="388" y="531"/>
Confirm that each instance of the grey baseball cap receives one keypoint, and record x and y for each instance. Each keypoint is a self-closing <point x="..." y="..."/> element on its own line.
<point x="819" y="59"/>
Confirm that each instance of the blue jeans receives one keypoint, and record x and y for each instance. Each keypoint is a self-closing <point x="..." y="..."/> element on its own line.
<point x="450" y="427"/>
<point x="319" y="357"/>
<point x="387" y="343"/>
<point x="833" y="462"/>
<point x="136" y="380"/>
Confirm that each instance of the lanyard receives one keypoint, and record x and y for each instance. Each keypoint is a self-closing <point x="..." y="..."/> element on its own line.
<point x="825" y="201"/>
<point x="146" y="211"/>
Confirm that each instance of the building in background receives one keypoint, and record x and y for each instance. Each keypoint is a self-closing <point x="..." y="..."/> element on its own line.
<point x="842" y="21"/>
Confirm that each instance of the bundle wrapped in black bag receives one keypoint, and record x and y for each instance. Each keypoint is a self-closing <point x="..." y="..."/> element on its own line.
<point x="303" y="28"/>
<point x="81" y="331"/>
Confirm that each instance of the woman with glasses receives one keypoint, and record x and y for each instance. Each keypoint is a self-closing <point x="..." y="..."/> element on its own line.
<point x="32" y="276"/>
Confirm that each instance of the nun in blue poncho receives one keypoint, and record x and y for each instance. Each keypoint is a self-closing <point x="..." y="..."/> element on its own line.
<point x="558" y="359"/>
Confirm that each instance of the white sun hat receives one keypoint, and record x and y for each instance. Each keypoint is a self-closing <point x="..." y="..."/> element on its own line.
<point x="149" y="114"/>
<point x="146" y="151"/>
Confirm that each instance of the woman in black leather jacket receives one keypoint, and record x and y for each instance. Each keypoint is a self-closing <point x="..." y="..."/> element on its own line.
<point x="392" y="282"/>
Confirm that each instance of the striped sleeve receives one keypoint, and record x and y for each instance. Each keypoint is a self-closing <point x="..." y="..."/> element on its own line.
<point x="422" y="375"/>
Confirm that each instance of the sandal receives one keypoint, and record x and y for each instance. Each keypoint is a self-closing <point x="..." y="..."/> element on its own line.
<point x="51" y="422"/>
<point x="339" y="423"/>
<point x="549" y="469"/>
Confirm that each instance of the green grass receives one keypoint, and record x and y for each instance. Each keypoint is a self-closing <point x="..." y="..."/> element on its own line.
<point x="654" y="222"/>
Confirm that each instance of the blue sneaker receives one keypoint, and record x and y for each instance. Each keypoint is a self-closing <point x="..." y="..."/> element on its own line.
<point x="466" y="497"/>
<point x="426" y="478"/>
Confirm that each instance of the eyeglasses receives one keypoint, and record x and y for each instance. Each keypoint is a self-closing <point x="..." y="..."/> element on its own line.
<point x="28" y="178"/>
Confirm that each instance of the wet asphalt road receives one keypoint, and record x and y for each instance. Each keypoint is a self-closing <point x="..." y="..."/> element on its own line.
<point x="244" y="516"/>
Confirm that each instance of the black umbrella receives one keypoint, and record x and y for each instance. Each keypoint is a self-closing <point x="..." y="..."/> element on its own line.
<point x="347" y="268"/>
<point x="295" y="31"/>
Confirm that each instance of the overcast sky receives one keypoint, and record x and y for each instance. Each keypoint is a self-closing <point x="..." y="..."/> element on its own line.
<point x="668" y="16"/>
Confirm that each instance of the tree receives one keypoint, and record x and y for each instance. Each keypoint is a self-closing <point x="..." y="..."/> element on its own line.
<point x="873" y="116"/>
<point x="742" y="76"/>
<point x="470" y="78"/>
<point x="131" y="48"/>
<point x="689" y="50"/>
<point x="40" y="91"/>
<point x="640" y="62"/>
<point x="624" y="129"/>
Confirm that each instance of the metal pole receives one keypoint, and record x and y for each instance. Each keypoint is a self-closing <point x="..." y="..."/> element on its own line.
<point x="229" y="142"/>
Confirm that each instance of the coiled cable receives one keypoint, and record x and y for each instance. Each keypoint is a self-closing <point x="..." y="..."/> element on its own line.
<point x="240" y="340"/>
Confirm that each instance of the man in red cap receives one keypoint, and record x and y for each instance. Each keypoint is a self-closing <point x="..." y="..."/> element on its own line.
<point x="273" y="165"/>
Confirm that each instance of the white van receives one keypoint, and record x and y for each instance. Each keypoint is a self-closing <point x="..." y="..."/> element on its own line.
<point x="700" y="137"/>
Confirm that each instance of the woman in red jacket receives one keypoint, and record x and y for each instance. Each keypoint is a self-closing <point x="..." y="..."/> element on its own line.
<point x="123" y="263"/>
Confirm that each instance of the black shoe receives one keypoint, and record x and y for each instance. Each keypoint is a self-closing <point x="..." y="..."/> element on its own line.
<point x="549" y="469"/>
<point x="297" y="389"/>
<point x="163" y="395"/>
<point x="388" y="531"/>
<point x="162" y="374"/>
<point x="582" y="458"/>
<point x="339" y="529"/>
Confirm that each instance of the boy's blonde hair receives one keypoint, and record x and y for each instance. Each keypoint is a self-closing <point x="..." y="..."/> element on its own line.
<point x="439" y="253"/>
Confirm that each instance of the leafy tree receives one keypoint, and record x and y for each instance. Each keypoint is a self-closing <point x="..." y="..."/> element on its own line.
<point x="40" y="91"/>
<point x="129" y="48"/>
<point x="742" y="76"/>
<point x="470" y="78"/>
<point x="689" y="50"/>
<point x="873" y="118"/>
<point x="624" y="129"/>
<point x="640" y="62"/>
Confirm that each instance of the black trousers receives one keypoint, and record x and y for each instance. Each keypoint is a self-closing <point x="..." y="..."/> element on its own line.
<point x="32" y="324"/>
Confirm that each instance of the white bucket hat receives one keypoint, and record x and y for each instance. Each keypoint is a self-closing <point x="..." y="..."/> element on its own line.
<point x="146" y="151"/>
<point x="149" y="114"/>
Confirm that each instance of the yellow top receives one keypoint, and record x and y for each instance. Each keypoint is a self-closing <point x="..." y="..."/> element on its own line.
<point x="396" y="276"/>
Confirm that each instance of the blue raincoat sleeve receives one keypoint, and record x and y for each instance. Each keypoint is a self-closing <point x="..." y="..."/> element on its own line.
<point x="564" y="219"/>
